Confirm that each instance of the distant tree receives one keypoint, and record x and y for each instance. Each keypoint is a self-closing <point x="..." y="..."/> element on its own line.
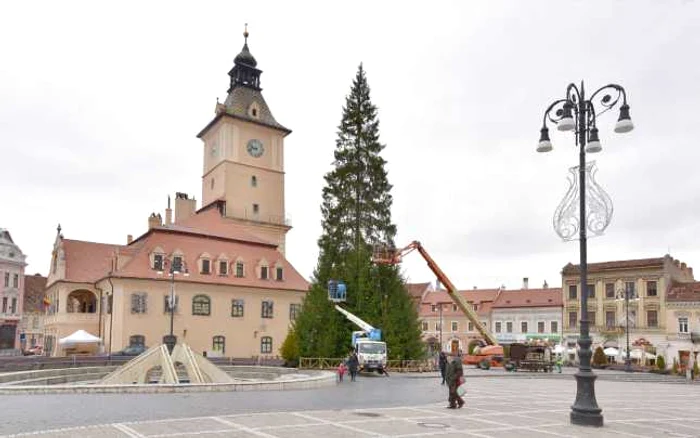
<point x="696" y="370"/>
<point x="356" y="215"/>
<point x="661" y="362"/>
<point x="599" y="358"/>
<point x="290" y="349"/>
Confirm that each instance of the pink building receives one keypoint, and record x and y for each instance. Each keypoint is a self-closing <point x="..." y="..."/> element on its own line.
<point x="11" y="286"/>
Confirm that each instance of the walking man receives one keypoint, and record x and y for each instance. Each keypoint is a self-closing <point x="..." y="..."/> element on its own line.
<point x="353" y="365"/>
<point x="454" y="375"/>
<point x="442" y="363"/>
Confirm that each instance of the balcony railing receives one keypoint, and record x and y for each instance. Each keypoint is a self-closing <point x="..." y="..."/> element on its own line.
<point x="9" y="316"/>
<point x="71" y="318"/>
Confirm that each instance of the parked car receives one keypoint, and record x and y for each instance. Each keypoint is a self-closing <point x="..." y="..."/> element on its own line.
<point x="131" y="350"/>
<point x="36" y="350"/>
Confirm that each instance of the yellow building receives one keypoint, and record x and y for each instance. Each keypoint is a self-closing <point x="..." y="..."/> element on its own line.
<point x="648" y="281"/>
<point x="221" y="269"/>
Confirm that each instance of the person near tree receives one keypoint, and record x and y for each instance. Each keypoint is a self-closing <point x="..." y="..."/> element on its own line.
<point x="454" y="376"/>
<point x="353" y="365"/>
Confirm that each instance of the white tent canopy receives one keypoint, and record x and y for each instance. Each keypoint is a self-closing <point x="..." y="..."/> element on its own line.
<point x="637" y="354"/>
<point x="558" y="349"/>
<point x="79" y="337"/>
<point x="610" y="351"/>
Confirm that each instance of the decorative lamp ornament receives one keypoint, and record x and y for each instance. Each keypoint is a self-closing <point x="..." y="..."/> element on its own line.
<point x="624" y="122"/>
<point x="593" y="145"/>
<point x="544" y="145"/>
<point x="567" y="121"/>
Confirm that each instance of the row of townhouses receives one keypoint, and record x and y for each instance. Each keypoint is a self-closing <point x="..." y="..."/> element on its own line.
<point x="662" y="313"/>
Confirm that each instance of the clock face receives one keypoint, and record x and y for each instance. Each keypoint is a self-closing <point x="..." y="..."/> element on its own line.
<point x="255" y="148"/>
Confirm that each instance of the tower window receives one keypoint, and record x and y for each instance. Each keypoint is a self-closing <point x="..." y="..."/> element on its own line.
<point x="255" y="112"/>
<point x="256" y="209"/>
<point x="254" y="181"/>
<point x="212" y="183"/>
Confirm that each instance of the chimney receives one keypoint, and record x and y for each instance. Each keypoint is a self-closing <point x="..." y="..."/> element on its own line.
<point x="525" y="281"/>
<point x="168" y="213"/>
<point x="154" y="220"/>
<point x="437" y="284"/>
<point x="129" y="238"/>
<point x="184" y="206"/>
<point x="545" y="285"/>
<point x="683" y="265"/>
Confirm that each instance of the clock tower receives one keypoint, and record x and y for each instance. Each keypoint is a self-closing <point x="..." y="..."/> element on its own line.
<point x="244" y="155"/>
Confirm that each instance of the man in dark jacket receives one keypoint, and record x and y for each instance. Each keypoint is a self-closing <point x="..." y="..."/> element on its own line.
<point x="453" y="376"/>
<point x="442" y="363"/>
<point x="353" y="365"/>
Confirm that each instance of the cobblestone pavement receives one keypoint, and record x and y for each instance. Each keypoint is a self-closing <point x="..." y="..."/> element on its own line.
<point x="496" y="407"/>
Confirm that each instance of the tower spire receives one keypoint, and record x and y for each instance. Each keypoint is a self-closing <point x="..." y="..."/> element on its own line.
<point x="245" y="34"/>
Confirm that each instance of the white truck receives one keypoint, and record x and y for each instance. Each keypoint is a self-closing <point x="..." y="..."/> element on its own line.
<point x="371" y="350"/>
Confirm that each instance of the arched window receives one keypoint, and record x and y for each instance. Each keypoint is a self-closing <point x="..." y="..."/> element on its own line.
<point x="137" y="340"/>
<point x="266" y="345"/>
<point x="201" y="305"/>
<point x="219" y="344"/>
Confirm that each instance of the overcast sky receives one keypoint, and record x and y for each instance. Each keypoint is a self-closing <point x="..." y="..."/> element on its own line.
<point x="100" y="104"/>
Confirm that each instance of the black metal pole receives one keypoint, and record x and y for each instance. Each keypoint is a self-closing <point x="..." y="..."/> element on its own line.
<point x="441" y="348"/>
<point x="170" y="340"/>
<point x="585" y="410"/>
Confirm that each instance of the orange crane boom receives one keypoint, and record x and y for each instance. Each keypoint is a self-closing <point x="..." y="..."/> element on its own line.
<point x="393" y="256"/>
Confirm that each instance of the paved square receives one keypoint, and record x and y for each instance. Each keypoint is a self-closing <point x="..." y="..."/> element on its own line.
<point x="496" y="407"/>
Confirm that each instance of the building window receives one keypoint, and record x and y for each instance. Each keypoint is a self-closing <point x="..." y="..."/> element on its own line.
<point x="683" y="325"/>
<point x="425" y="326"/>
<point x="211" y="184"/>
<point x="609" y="290"/>
<point x="509" y="327"/>
<point x="591" y="318"/>
<point x="572" y="292"/>
<point x="4" y="304"/>
<point x="139" y="302"/>
<point x="438" y="327"/>
<point x="280" y="271"/>
<point x="454" y="307"/>
<point x="470" y="327"/>
<point x="553" y="326"/>
<point x="223" y="268"/>
<point x="591" y="290"/>
<point x="167" y="305"/>
<point x="540" y="327"/>
<point x="237" y="307"/>
<point x="455" y="326"/>
<point x="523" y="327"/>
<point x="294" y="310"/>
<point x="15" y="281"/>
<point x="267" y="309"/>
<point x="256" y="209"/>
<point x="572" y="319"/>
<point x="651" y="288"/>
<point x="219" y="344"/>
<point x="177" y="264"/>
<point x="206" y="268"/>
<point x="7" y="279"/>
<point x="652" y="319"/>
<point x="629" y="288"/>
<point x="266" y="345"/>
<point x="158" y="262"/>
<point x="263" y="272"/>
<point x="498" y="327"/>
<point x="137" y="340"/>
<point x="239" y="269"/>
<point x="475" y="307"/>
<point x="609" y="319"/>
<point x="201" y="305"/>
<point x="253" y="181"/>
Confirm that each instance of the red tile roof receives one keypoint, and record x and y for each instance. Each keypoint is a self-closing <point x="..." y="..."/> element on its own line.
<point x="416" y="290"/>
<point x="87" y="262"/>
<point x="483" y="298"/>
<point x="551" y="297"/>
<point x="684" y="292"/>
<point x="34" y="286"/>
<point x="658" y="262"/>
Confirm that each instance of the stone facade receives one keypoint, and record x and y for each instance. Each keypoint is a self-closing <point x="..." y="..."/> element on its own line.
<point x="12" y="264"/>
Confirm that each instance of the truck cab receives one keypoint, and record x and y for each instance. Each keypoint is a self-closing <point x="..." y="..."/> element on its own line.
<point x="371" y="355"/>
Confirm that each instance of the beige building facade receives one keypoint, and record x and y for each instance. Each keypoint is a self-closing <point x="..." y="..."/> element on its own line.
<point x="648" y="282"/>
<point x="218" y="273"/>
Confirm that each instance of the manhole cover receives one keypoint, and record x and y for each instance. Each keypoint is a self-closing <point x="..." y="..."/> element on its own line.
<point x="434" y="425"/>
<point x="367" y="414"/>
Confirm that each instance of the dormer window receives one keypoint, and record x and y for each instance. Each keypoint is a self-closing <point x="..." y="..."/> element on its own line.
<point x="239" y="269"/>
<point x="223" y="268"/>
<point x="254" y="110"/>
<point x="263" y="272"/>
<point x="158" y="262"/>
<point x="279" y="272"/>
<point x="177" y="264"/>
<point x="206" y="266"/>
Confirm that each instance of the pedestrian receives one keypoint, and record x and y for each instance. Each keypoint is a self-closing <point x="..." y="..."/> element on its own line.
<point x="454" y="376"/>
<point x="353" y="365"/>
<point x="559" y="363"/>
<point x="341" y="370"/>
<point x="442" y="363"/>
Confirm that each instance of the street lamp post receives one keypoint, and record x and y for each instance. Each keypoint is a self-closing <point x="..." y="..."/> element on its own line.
<point x="585" y="410"/>
<point x="624" y="294"/>
<point x="170" y="339"/>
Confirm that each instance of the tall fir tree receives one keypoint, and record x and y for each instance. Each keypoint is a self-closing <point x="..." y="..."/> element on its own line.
<point x="356" y="213"/>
